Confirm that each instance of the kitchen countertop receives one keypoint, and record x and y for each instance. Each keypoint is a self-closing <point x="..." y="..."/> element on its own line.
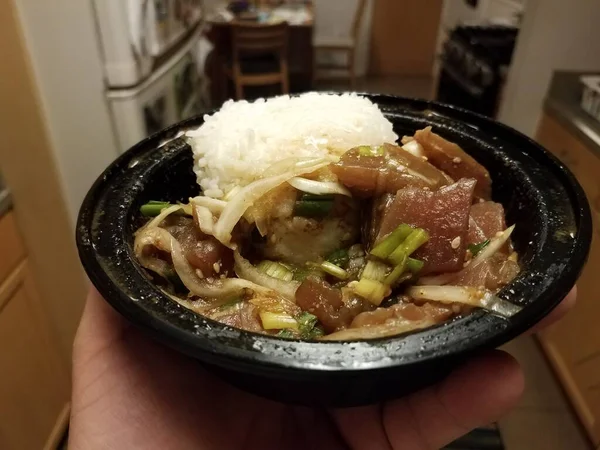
<point x="563" y="103"/>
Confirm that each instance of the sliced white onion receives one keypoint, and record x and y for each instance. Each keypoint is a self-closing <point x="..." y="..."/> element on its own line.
<point x="495" y="244"/>
<point x="319" y="187"/>
<point x="245" y="270"/>
<point x="391" y="328"/>
<point x="163" y="215"/>
<point x="214" y="205"/>
<point x="488" y="251"/>
<point x="465" y="295"/>
<point x="246" y="197"/>
<point x="206" y="219"/>
<point x="289" y="164"/>
<point x="414" y="148"/>
<point x="232" y="193"/>
<point x="448" y="294"/>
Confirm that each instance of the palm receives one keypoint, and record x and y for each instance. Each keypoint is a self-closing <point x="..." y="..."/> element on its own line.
<point x="129" y="392"/>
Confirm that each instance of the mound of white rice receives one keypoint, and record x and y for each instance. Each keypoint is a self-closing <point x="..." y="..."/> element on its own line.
<point x="238" y="143"/>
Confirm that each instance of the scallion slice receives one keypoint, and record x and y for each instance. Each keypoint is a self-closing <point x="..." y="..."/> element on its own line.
<point x="153" y="208"/>
<point x="375" y="270"/>
<point x="397" y="272"/>
<point x="476" y="248"/>
<point x="334" y="270"/>
<point x="275" y="270"/>
<point x="414" y="265"/>
<point x="367" y="150"/>
<point x="339" y="258"/>
<point x="277" y="321"/>
<point x="416" y="238"/>
<point x="312" y="208"/>
<point x="371" y="290"/>
<point x="390" y="242"/>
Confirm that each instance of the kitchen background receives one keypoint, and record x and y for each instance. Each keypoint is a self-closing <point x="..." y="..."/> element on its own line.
<point x="85" y="80"/>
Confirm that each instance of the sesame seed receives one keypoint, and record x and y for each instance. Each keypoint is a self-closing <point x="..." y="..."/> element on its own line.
<point x="199" y="273"/>
<point x="217" y="267"/>
<point x="457" y="160"/>
<point x="455" y="242"/>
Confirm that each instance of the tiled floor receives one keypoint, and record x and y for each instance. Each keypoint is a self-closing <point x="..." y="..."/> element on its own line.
<point x="543" y="419"/>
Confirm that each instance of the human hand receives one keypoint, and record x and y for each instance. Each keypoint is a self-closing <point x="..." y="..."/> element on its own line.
<point x="130" y="392"/>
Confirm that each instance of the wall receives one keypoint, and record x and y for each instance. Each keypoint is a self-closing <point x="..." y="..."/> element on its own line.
<point x="60" y="37"/>
<point x="555" y="35"/>
<point x="29" y="168"/>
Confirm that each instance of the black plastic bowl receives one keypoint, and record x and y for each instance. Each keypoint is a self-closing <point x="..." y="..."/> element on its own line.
<point x="539" y="194"/>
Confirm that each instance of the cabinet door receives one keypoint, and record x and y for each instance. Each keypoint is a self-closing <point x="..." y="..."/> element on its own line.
<point x="34" y="387"/>
<point x="573" y="344"/>
<point x="403" y="37"/>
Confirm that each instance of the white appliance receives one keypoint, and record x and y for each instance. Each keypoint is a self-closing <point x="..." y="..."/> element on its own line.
<point x="151" y="63"/>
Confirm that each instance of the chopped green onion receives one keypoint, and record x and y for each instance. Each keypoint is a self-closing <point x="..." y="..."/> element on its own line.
<point x="153" y="208"/>
<point x="395" y="275"/>
<point x="277" y="321"/>
<point x="367" y="150"/>
<point x="303" y="273"/>
<point x="275" y="270"/>
<point x="371" y="290"/>
<point x="306" y="320"/>
<point x="316" y="198"/>
<point x="391" y="241"/>
<point x="316" y="332"/>
<point x="307" y="324"/>
<point x="397" y="256"/>
<point x="414" y="265"/>
<point x="476" y="248"/>
<point x="417" y="238"/>
<point x="286" y="334"/>
<point x="313" y="209"/>
<point x="375" y="270"/>
<point x="334" y="270"/>
<point x="339" y="258"/>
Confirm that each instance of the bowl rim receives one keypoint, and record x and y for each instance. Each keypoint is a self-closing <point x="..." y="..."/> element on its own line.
<point x="274" y="353"/>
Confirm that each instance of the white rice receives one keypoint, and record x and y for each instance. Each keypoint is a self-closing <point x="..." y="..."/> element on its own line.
<point x="238" y="143"/>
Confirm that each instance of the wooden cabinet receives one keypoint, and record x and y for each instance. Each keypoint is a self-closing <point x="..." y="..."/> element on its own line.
<point x="34" y="385"/>
<point x="403" y="37"/>
<point x="573" y="344"/>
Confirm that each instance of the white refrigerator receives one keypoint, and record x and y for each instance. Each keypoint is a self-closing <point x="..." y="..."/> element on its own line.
<point x="152" y="59"/>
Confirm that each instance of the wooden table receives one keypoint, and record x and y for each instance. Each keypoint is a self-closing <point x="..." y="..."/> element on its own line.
<point x="300" y="59"/>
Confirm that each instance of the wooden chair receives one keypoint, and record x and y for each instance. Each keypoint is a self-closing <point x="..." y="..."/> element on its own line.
<point x="345" y="44"/>
<point x="259" y="56"/>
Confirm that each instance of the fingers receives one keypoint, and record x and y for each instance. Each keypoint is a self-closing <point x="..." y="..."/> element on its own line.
<point x="362" y="427"/>
<point x="99" y="326"/>
<point x="474" y="395"/>
<point x="557" y="313"/>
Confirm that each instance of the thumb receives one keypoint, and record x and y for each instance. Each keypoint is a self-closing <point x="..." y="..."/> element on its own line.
<point x="474" y="395"/>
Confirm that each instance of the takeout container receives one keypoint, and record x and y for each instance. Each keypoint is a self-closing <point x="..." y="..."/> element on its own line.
<point x="539" y="194"/>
